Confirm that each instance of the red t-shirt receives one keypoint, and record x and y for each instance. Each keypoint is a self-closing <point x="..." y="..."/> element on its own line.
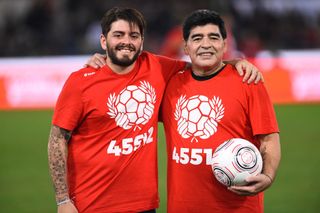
<point x="112" y="154"/>
<point x="198" y="116"/>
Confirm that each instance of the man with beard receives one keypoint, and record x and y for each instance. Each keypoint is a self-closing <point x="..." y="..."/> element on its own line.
<point x="102" y="147"/>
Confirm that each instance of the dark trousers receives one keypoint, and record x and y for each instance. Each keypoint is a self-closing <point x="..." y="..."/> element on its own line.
<point x="149" y="211"/>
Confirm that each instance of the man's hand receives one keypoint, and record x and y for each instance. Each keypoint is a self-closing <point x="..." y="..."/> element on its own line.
<point x="67" y="208"/>
<point x="255" y="184"/>
<point x="249" y="72"/>
<point x="96" y="61"/>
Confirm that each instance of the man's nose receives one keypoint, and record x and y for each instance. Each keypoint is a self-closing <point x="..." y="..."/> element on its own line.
<point x="206" y="42"/>
<point x="126" y="39"/>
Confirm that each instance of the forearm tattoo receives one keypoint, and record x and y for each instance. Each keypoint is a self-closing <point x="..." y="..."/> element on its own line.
<point x="57" y="155"/>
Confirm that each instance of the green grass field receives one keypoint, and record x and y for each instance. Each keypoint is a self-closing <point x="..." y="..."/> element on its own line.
<point x="25" y="184"/>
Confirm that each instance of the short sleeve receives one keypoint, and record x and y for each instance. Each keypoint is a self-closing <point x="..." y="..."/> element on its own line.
<point x="170" y="66"/>
<point x="69" y="106"/>
<point x="261" y="111"/>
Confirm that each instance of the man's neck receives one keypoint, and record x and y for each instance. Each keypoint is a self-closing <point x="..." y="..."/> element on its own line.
<point x="207" y="71"/>
<point x="120" y="69"/>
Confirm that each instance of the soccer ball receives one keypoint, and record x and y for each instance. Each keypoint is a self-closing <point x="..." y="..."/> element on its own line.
<point x="235" y="160"/>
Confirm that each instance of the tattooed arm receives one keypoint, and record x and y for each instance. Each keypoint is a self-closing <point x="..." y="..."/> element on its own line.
<point x="271" y="154"/>
<point x="57" y="156"/>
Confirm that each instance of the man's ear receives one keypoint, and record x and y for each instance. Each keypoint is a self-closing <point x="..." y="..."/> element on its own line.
<point x="185" y="47"/>
<point x="142" y="41"/>
<point x="225" y="48"/>
<point x="103" y="42"/>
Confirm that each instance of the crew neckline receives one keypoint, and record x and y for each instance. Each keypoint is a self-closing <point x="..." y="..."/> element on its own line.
<point x="204" y="78"/>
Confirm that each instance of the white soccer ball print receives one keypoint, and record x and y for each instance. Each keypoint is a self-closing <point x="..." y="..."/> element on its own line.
<point x="133" y="106"/>
<point x="235" y="160"/>
<point x="198" y="116"/>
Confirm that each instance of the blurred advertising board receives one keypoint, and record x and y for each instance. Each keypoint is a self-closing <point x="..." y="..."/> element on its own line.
<point x="291" y="76"/>
<point x="35" y="83"/>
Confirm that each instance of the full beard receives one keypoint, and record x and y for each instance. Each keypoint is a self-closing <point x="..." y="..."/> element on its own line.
<point x="125" y="61"/>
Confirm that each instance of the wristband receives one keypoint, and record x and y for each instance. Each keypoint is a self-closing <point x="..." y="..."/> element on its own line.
<point x="66" y="200"/>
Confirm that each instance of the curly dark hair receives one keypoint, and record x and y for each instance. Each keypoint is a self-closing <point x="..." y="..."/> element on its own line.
<point x="201" y="18"/>
<point x="132" y="16"/>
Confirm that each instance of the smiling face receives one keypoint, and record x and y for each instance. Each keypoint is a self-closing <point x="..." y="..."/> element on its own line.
<point x="205" y="47"/>
<point x="123" y="43"/>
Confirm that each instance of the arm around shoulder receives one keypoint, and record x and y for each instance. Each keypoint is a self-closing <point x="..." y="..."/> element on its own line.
<point x="246" y="69"/>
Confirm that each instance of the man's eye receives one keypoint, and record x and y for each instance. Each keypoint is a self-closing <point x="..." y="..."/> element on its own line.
<point x="135" y="36"/>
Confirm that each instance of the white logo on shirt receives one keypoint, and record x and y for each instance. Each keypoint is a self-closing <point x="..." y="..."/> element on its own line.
<point x="89" y="73"/>
<point x="134" y="105"/>
<point x="198" y="116"/>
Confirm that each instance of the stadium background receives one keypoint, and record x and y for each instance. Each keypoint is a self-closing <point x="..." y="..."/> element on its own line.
<point x="42" y="41"/>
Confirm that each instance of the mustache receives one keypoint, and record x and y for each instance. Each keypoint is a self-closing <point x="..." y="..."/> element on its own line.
<point x="207" y="50"/>
<point x="125" y="46"/>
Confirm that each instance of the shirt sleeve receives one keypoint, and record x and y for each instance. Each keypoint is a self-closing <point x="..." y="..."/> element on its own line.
<point x="261" y="111"/>
<point x="170" y="66"/>
<point x="69" y="106"/>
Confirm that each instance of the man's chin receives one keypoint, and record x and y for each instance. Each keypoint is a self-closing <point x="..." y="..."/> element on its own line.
<point x="207" y="64"/>
<point x="123" y="59"/>
<point x="124" y="62"/>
